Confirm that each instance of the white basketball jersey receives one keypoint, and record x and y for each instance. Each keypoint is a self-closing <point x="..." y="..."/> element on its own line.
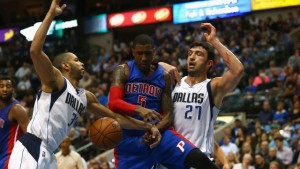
<point x="195" y="113"/>
<point x="55" y="113"/>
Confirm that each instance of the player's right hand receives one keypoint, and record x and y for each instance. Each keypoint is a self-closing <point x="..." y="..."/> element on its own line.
<point x="152" y="137"/>
<point x="172" y="70"/>
<point x="148" y="114"/>
<point x="57" y="9"/>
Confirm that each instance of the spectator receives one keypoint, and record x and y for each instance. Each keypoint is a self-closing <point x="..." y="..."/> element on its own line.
<point x="232" y="159"/>
<point x="228" y="146"/>
<point x="102" y="98"/>
<point x="104" y="163"/>
<point x="227" y="132"/>
<point x="85" y="81"/>
<point x="275" y="165"/>
<point x="241" y="138"/>
<point x="67" y="158"/>
<point x="22" y="71"/>
<point x="281" y="114"/>
<point x="93" y="164"/>
<point x="237" y="124"/>
<point x="260" y="162"/>
<point x="266" y="114"/>
<point x="284" y="154"/>
<point x="246" y="163"/>
<point x="260" y="79"/>
<point x="276" y="134"/>
<point x="263" y="149"/>
<point x="246" y="149"/>
<point x="273" y="158"/>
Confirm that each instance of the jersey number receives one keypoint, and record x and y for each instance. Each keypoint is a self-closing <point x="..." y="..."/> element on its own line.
<point x="74" y="119"/>
<point x="187" y="114"/>
<point x="142" y="100"/>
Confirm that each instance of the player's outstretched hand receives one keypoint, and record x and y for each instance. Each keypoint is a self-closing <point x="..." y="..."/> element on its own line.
<point x="211" y="33"/>
<point x="148" y="114"/>
<point x="56" y="8"/>
<point x="152" y="137"/>
<point x="172" y="70"/>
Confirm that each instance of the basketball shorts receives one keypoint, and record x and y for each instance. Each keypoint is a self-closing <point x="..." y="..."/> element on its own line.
<point x="29" y="152"/>
<point x="171" y="152"/>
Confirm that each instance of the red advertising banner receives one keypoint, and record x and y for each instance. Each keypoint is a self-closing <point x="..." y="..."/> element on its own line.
<point x="139" y="17"/>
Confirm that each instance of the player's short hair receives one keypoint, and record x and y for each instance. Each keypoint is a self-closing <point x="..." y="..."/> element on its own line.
<point x="59" y="60"/>
<point x="142" y="39"/>
<point x="8" y="78"/>
<point x="207" y="46"/>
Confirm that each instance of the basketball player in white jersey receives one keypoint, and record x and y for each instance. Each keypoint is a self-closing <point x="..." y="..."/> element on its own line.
<point x="59" y="104"/>
<point x="196" y="98"/>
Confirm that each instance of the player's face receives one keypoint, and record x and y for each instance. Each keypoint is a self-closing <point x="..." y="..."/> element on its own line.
<point x="6" y="90"/>
<point x="143" y="55"/>
<point x="197" y="61"/>
<point x="77" y="67"/>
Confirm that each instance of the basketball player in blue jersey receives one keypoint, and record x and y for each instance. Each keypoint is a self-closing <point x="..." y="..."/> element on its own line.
<point x="13" y="120"/>
<point x="196" y="98"/>
<point x="141" y="89"/>
<point x="59" y="104"/>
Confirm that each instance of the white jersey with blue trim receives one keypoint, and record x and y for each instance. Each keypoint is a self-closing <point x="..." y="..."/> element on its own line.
<point x="55" y="113"/>
<point x="195" y="113"/>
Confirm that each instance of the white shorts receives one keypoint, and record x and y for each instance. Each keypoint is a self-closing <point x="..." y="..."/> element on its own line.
<point x="29" y="153"/>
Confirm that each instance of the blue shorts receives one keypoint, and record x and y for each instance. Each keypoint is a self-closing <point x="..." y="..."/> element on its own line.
<point x="171" y="152"/>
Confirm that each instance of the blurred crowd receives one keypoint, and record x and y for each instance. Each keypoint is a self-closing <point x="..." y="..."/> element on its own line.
<point x="269" y="90"/>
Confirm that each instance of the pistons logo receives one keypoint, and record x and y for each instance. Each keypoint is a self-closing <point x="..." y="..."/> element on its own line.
<point x="2" y="123"/>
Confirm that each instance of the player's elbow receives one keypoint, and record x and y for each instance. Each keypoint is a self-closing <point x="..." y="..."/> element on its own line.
<point x="34" y="52"/>
<point x="239" y="70"/>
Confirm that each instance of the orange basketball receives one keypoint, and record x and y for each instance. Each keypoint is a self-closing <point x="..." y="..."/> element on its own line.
<point x="106" y="133"/>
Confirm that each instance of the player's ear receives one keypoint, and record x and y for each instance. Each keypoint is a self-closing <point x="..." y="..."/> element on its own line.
<point x="65" y="66"/>
<point x="210" y="63"/>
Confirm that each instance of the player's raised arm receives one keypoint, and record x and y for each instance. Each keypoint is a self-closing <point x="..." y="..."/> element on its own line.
<point x="116" y="95"/>
<point x="50" y="77"/>
<point x="231" y="78"/>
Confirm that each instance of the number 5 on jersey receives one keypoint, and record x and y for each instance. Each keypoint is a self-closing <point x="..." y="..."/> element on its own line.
<point x="142" y="100"/>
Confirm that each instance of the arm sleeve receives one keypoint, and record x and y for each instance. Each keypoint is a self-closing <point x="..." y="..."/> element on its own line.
<point x="116" y="102"/>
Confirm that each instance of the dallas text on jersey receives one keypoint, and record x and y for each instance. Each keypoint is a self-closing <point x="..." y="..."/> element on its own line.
<point x="188" y="97"/>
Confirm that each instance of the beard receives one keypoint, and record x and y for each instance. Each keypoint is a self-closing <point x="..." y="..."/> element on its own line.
<point x="193" y="73"/>
<point x="6" y="98"/>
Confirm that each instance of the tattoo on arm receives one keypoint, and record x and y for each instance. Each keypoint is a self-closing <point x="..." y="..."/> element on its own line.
<point x="119" y="76"/>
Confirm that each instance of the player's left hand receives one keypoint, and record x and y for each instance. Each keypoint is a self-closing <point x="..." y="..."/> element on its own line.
<point x="57" y="9"/>
<point x="211" y="34"/>
<point x="152" y="137"/>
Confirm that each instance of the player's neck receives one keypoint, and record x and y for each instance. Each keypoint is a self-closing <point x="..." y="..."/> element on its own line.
<point x="74" y="82"/>
<point x="191" y="80"/>
<point x="3" y="104"/>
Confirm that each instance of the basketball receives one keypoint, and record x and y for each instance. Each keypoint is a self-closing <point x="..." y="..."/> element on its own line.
<point x="106" y="133"/>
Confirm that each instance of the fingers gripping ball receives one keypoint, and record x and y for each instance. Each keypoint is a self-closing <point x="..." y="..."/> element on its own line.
<point x="106" y="133"/>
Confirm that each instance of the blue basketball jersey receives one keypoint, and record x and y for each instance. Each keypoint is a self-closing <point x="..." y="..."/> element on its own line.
<point x="9" y="133"/>
<point x="144" y="91"/>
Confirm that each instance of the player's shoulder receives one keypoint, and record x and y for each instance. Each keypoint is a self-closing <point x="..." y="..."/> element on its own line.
<point x="122" y="68"/>
<point x="17" y="107"/>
